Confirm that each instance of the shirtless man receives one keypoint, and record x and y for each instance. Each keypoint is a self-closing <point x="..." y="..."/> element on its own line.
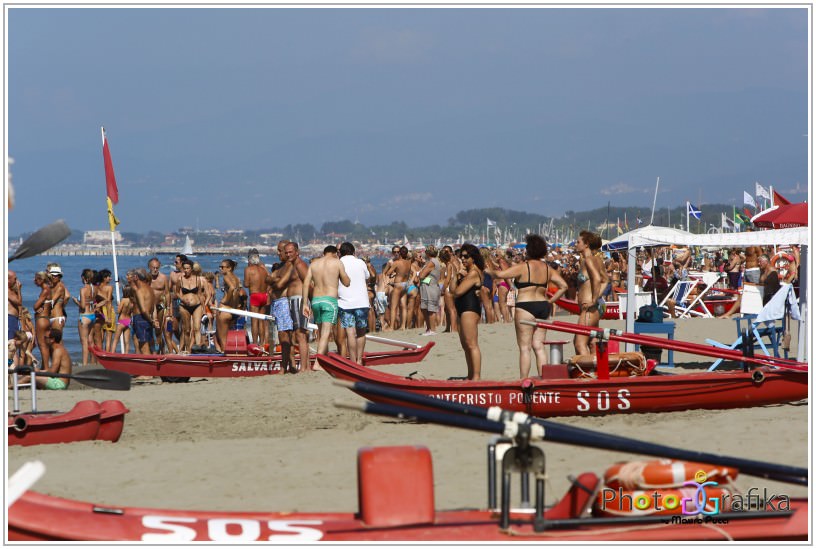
<point x="255" y="276"/>
<point x="278" y="282"/>
<point x="325" y="273"/>
<point x="15" y="303"/>
<point x="591" y="282"/>
<point x="160" y="283"/>
<point x="294" y="293"/>
<point x="752" y="267"/>
<point x="143" y="320"/>
<point x="401" y="268"/>
<point x="59" y="363"/>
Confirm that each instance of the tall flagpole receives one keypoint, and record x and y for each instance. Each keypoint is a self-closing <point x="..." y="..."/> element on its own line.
<point x="654" y="202"/>
<point x="109" y="173"/>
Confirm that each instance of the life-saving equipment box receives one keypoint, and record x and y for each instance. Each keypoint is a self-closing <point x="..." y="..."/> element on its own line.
<point x="236" y="343"/>
<point x="395" y="485"/>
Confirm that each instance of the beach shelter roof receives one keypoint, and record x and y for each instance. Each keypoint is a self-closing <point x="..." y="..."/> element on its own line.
<point x="649" y="232"/>
<point x="780" y="217"/>
<point x="661" y="236"/>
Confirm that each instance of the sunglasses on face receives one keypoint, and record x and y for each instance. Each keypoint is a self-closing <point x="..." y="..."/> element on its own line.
<point x="465" y="256"/>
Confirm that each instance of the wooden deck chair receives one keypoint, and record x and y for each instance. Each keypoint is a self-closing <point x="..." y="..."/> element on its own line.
<point x="772" y="324"/>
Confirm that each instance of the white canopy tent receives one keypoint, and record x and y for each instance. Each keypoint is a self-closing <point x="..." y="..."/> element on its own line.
<point x="663" y="236"/>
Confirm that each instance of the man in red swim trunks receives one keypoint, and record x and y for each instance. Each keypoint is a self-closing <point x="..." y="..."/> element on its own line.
<point x="255" y="276"/>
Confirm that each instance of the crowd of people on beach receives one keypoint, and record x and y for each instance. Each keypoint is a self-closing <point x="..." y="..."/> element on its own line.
<point x="342" y="297"/>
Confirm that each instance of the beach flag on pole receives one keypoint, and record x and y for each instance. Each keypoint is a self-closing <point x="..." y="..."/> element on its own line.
<point x="490" y="222"/>
<point x="762" y="192"/>
<point x="748" y="199"/>
<point x="112" y="198"/>
<point x="110" y="177"/>
<point x="693" y="211"/>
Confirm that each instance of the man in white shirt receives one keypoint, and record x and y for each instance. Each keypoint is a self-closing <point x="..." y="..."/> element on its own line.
<point x="353" y="302"/>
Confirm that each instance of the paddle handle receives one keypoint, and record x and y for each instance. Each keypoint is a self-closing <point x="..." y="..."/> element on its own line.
<point x="394" y="342"/>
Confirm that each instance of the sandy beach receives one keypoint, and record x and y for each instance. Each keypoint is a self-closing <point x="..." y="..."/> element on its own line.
<point x="277" y="443"/>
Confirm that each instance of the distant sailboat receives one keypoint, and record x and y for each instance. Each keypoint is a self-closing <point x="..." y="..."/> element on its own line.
<point x="187" y="249"/>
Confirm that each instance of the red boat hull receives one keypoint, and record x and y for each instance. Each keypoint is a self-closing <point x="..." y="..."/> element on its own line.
<point x="231" y="365"/>
<point x="38" y="517"/>
<point x="716" y="306"/>
<point x="87" y="420"/>
<point x="564" y="396"/>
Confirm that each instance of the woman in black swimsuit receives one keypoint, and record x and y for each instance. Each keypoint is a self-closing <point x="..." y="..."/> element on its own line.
<point x="533" y="277"/>
<point x="465" y="288"/>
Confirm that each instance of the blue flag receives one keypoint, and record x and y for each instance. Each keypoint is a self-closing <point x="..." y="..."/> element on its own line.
<point x="693" y="212"/>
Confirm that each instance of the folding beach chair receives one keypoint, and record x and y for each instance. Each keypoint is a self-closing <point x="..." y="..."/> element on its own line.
<point x="770" y="322"/>
<point x="707" y="279"/>
<point x="680" y="294"/>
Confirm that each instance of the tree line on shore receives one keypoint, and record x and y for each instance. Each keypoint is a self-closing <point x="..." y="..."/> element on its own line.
<point x="469" y="224"/>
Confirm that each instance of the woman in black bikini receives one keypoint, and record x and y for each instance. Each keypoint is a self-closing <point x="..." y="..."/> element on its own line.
<point x="533" y="277"/>
<point x="465" y="288"/>
<point x="192" y="296"/>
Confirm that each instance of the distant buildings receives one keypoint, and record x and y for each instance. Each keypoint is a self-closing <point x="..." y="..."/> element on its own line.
<point x="98" y="238"/>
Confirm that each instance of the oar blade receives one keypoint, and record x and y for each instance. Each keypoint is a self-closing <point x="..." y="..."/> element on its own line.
<point x="112" y="380"/>
<point x="42" y="240"/>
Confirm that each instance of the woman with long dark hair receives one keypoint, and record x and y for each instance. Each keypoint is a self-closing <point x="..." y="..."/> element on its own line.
<point x="465" y="287"/>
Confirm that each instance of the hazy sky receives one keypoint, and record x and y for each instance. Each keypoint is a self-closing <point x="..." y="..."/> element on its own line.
<point x="252" y="118"/>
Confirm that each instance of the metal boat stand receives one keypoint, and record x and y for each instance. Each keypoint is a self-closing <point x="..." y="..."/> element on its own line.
<point x="16" y="386"/>
<point x="522" y="459"/>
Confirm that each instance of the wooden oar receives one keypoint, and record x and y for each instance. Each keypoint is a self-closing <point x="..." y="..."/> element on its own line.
<point x="111" y="380"/>
<point x="42" y="240"/>
<point x="675" y="345"/>
<point x="477" y="418"/>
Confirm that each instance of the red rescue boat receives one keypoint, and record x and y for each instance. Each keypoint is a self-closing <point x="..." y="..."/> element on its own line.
<point x="87" y="420"/>
<point x="560" y="395"/>
<point x="233" y="365"/>
<point x="404" y="511"/>
<point x="717" y="304"/>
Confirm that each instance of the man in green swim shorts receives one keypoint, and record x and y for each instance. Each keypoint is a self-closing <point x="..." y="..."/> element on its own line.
<point x="324" y="278"/>
<point x="60" y="363"/>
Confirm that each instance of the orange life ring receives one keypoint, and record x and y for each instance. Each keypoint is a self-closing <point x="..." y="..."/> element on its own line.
<point x="620" y="365"/>
<point x="664" y="473"/>
<point x="626" y="503"/>
<point x="784" y="263"/>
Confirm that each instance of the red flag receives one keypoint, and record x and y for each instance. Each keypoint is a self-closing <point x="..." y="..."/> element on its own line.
<point x="779" y="200"/>
<point x="748" y="212"/>
<point x="110" y="178"/>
